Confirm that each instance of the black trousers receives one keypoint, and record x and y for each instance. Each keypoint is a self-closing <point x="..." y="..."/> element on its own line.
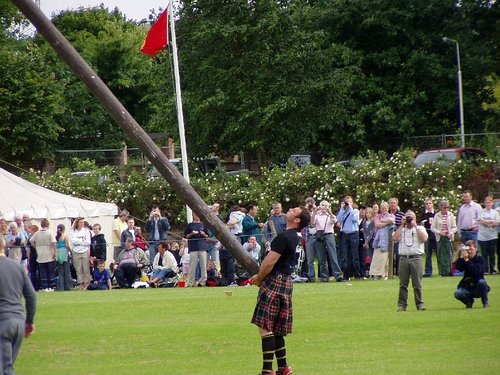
<point x="126" y="274"/>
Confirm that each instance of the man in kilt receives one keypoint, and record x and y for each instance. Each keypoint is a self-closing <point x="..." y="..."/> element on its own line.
<point x="273" y="312"/>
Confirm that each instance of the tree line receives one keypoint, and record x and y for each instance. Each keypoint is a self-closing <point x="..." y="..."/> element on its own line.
<point x="270" y="78"/>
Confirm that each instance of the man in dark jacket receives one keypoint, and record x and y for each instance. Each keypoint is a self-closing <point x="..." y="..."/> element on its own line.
<point x="473" y="285"/>
<point x="156" y="227"/>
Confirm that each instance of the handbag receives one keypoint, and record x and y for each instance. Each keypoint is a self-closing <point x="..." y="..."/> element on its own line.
<point x="320" y="234"/>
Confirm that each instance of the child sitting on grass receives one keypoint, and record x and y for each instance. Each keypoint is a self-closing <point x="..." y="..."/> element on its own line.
<point x="101" y="278"/>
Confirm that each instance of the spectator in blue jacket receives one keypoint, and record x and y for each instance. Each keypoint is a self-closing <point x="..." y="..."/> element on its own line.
<point x="348" y="217"/>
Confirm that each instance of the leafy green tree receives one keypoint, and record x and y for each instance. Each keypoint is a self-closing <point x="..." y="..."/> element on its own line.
<point x="110" y="44"/>
<point x="31" y="100"/>
<point x="255" y="79"/>
<point x="409" y="86"/>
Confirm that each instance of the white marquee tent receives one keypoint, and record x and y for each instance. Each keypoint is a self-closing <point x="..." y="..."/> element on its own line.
<point x="19" y="197"/>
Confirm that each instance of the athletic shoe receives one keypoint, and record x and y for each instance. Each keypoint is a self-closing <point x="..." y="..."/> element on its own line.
<point x="287" y="370"/>
<point x="486" y="306"/>
<point x="401" y="308"/>
<point x="421" y="307"/>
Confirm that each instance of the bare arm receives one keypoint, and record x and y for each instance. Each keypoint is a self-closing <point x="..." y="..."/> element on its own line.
<point x="266" y="267"/>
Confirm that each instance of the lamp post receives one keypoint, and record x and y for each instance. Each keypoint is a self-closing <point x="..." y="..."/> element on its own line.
<point x="460" y="96"/>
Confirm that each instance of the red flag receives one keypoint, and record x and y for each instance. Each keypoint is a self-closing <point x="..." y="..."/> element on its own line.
<point x="157" y="38"/>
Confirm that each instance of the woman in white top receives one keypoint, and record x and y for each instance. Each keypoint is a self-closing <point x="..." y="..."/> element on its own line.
<point x="80" y="245"/>
<point x="444" y="226"/>
<point x="487" y="234"/>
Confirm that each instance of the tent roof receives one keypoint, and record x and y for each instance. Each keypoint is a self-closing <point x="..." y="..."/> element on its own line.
<point x="18" y="197"/>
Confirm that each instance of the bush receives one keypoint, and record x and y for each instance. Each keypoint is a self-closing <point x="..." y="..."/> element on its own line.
<point x="374" y="177"/>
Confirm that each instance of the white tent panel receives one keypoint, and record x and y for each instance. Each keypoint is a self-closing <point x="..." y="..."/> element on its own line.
<point x="19" y="197"/>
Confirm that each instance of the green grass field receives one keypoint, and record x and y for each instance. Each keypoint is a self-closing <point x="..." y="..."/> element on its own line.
<point x="339" y="328"/>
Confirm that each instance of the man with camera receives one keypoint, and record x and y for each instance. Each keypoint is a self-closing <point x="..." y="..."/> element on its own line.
<point x="157" y="227"/>
<point x="348" y="216"/>
<point x="473" y="285"/>
<point x="411" y="238"/>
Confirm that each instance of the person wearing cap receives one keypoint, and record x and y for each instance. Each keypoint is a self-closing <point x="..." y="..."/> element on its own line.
<point x="14" y="284"/>
<point x="119" y="225"/>
<point x="473" y="285"/>
<point x="130" y="260"/>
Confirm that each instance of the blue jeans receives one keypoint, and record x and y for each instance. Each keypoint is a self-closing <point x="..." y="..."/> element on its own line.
<point x="64" y="280"/>
<point x="468" y="235"/>
<point x="350" y="262"/>
<point x="310" y="253"/>
<point x="153" y="250"/>
<point x="327" y="248"/>
<point x="480" y="291"/>
<point x="161" y="273"/>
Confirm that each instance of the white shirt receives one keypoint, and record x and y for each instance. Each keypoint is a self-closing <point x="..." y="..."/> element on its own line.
<point x="409" y="243"/>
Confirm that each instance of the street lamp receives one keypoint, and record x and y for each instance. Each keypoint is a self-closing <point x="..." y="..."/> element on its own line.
<point x="460" y="97"/>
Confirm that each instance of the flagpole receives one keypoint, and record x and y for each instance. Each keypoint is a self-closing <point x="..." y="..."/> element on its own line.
<point x="180" y="115"/>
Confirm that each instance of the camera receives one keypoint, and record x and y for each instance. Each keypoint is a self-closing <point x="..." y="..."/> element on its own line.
<point x="408" y="219"/>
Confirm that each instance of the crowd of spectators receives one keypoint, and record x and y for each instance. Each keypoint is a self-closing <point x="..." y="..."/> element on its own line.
<point x="345" y="240"/>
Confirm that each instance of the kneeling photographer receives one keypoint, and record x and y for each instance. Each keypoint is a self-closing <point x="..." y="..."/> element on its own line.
<point x="473" y="285"/>
<point x="411" y="238"/>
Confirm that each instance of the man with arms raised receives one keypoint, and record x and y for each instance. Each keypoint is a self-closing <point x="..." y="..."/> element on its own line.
<point x="14" y="284"/>
<point x="273" y="312"/>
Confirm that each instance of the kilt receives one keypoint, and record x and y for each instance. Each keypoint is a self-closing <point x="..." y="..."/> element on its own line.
<point x="273" y="311"/>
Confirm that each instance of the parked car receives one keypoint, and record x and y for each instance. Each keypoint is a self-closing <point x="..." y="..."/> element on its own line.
<point x="449" y="155"/>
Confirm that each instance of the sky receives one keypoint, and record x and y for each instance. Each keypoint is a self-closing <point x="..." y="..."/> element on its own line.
<point x="133" y="9"/>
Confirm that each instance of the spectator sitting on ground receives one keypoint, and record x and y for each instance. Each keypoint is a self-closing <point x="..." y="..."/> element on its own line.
<point x="130" y="261"/>
<point x="253" y="248"/>
<point x="175" y="250"/>
<point x="164" y="264"/>
<point x="101" y="280"/>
